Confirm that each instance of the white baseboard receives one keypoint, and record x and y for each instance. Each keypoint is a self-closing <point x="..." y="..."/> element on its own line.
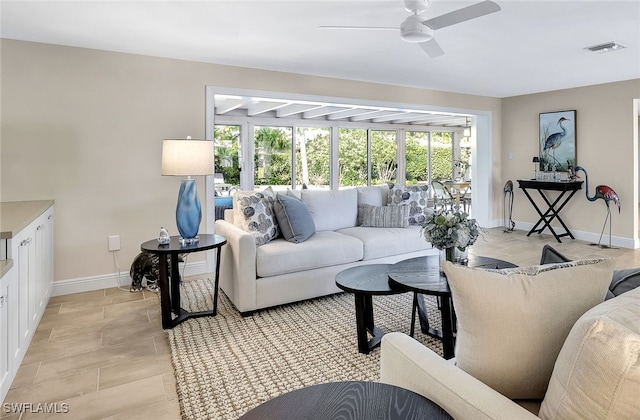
<point x="616" y="241"/>
<point x="105" y="281"/>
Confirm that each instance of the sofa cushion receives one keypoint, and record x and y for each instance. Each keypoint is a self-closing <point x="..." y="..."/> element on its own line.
<point x="512" y="322"/>
<point x="383" y="216"/>
<point x="597" y="374"/>
<point x="416" y="197"/>
<point x="324" y="248"/>
<point x="253" y="213"/>
<point x="294" y="219"/>
<point x="385" y="242"/>
<point x="332" y="209"/>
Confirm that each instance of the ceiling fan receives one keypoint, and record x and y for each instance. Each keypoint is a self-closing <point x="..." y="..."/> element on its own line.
<point x="417" y="29"/>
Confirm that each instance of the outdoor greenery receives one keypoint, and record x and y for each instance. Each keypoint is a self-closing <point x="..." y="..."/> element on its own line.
<point x="273" y="150"/>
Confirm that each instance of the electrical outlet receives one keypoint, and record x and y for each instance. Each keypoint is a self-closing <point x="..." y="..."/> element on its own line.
<point x="114" y="243"/>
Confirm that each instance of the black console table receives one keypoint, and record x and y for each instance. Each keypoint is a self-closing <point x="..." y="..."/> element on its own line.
<point x="567" y="190"/>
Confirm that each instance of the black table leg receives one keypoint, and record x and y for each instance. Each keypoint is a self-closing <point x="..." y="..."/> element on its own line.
<point x="448" y="339"/>
<point x="215" y="293"/>
<point x="364" y="324"/>
<point x="422" y="313"/>
<point x="165" y="293"/>
<point x="550" y="214"/>
<point x="175" y="284"/>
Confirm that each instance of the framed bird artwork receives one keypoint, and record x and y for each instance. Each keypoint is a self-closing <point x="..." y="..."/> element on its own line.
<point x="557" y="140"/>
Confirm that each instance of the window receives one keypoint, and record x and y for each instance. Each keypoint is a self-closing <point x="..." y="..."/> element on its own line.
<point x="313" y="157"/>
<point x="272" y="158"/>
<point x="441" y="155"/>
<point x="418" y="170"/>
<point x="352" y="157"/>
<point x="227" y="152"/>
<point x="383" y="157"/>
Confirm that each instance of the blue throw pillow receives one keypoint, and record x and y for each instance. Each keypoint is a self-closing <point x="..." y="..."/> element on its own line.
<point x="294" y="219"/>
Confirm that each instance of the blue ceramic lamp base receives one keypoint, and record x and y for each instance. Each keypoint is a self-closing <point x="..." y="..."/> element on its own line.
<point x="188" y="212"/>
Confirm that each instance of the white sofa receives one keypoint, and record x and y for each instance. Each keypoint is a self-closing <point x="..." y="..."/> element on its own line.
<point x="596" y="374"/>
<point x="279" y="271"/>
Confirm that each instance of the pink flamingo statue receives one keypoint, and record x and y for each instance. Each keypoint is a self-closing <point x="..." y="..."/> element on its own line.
<point x="607" y="194"/>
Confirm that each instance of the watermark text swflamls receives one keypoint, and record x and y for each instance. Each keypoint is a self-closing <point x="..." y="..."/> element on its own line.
<point x="35" y="408"/>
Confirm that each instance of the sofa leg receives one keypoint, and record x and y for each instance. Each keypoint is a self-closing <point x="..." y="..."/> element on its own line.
<point x="246" y="314"/>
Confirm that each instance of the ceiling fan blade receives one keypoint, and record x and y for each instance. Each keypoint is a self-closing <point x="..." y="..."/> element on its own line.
<point x="432" y="48"/>
<point x="466" y="13"/>
<point x="375" y="28"/>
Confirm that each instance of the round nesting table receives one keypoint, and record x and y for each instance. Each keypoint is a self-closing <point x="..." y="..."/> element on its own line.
<point x="364" y="282"/>
<point x="349" y="400"/>
<point x="420" y="276"/>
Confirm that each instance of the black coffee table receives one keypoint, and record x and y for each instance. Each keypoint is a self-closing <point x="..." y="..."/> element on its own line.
<point x="418" y="276"/>
<point x="364" y="282"/>
<point x="349" y="400"/>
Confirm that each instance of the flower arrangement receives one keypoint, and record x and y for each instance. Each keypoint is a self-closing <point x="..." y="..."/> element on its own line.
<point x="450" y="230"/>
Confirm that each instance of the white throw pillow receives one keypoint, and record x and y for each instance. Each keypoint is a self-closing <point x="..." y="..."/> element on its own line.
<point x="512" y="323"/>
<point x="373" y="195"/>
<point x="332" y="209"/>
<point x="597" y="374"/>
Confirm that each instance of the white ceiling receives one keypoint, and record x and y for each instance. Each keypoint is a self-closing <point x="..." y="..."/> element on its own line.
<point x="527" y="47"/>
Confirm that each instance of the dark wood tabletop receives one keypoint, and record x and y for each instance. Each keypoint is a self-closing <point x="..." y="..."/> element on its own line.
<point x="421" y="275"/>
<point x="206" y="241"/>
<point x="352" y="400"/>
<point x="367" y="279"/>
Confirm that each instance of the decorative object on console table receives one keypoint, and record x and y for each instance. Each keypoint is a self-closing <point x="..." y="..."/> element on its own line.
<point x="450" y="230"/>
<point x="188" y="158"/>
<point x="557" y="139"/>
<point x="536" y="162"/>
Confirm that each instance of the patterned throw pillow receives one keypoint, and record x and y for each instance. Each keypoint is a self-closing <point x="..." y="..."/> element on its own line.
<point x="416" y="197"/>
<point x="255" y="214"/>
<point x="384" y="216"/>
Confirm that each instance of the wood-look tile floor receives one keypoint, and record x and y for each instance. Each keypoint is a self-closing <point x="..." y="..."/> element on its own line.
<point x="104" y="352"/>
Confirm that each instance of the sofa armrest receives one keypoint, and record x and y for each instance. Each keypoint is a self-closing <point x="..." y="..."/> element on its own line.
<point x="407" y="363"/>
<point x="238" y="266"/>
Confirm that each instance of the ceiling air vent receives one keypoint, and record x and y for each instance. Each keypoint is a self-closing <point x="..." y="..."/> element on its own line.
<point x="609" y="46"/>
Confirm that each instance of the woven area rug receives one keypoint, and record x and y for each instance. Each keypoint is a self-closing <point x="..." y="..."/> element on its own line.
<point x="226" y="365"/>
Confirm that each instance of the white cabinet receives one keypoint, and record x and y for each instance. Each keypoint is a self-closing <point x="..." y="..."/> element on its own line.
<point x="27" y="285"/>
<point x="9" y="336"/>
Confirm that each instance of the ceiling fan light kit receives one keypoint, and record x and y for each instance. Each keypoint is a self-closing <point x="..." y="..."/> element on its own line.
<point x="412" y="30"/>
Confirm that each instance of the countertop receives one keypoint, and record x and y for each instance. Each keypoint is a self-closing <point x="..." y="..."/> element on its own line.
<point x="5" y="266"/>
<point x="17" y="215"/>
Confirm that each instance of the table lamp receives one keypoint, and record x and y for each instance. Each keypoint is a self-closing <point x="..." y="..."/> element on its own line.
<point x="187" y="158"/>
<point x="535" y="161"/>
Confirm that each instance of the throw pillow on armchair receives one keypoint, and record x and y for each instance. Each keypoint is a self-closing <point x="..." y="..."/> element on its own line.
<point x="621" y="280"/>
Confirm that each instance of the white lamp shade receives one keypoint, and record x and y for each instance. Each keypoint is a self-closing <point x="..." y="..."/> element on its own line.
<point x="187" y="157"/>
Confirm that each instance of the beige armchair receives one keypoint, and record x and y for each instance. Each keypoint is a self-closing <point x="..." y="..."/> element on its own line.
<point x="596" y="374"/>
